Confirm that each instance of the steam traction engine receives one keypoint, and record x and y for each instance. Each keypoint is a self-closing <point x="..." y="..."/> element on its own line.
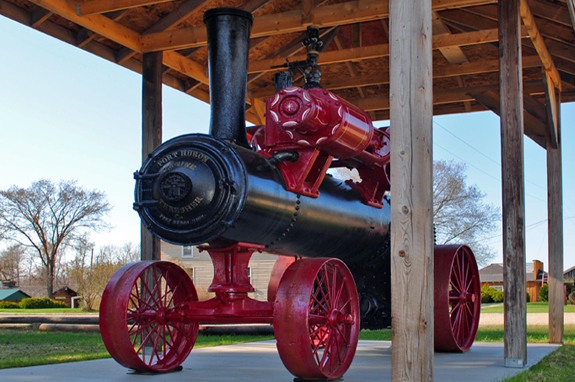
<point x="235" y="194"/>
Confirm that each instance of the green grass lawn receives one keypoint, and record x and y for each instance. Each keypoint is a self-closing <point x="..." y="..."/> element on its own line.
<point x="532" y="307"/>
<point x="535" y="333"/>
<point x="45" y="311"/>
<point x="555" y="367"/>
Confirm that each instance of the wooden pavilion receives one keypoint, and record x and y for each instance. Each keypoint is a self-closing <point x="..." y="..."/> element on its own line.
<point x="403" y="60"/>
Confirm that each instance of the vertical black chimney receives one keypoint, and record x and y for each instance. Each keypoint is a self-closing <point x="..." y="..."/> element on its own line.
<point x="228" y="31"/>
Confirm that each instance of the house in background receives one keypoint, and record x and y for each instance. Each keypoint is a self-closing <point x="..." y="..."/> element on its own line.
<point x="9" y="292"/>
<point x="199" y="266"/>
<point x="65" y="295"/>
<point x="492" y="275"/>
<point x="569" y="274"/>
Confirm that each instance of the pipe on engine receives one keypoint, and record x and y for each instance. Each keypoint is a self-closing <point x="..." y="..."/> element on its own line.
<point x="228" y="32"/>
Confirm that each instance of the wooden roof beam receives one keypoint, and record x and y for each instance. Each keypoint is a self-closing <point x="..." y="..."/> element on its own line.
<point x="383" y="78"/>
<point x="533" y="127"/>
<point x="448" y="96"/>
<point x="90" y="7"/>
<point x="185" y="66"/>
<point x="553" y="104"/>
<point x="291" y="21"/>
<point x="539" y="43"/>
<point x="38" y="16"/>
<point x="453" y="54"/>
<point x="381" y="50"/>
<point x="98" y="23"/>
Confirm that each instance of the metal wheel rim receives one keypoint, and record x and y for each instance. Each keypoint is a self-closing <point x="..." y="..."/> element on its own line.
<point x="464" y="298"/>
<point x="322" y="322"/>
<point x="137" y="321"/>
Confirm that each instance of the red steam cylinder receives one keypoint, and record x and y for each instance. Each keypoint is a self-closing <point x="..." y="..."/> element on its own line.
<point x="317" y="117"/>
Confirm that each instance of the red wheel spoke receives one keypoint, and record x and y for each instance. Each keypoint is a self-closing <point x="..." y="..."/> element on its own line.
<point x="333" y="294"/>
<point x="320" y="287"/>
<point x="469" y="284"/>
<point x="338" y="296"/>
<point x="136" y="305"/>
<point x="319" y="303"/>
<point x="150" y="293"/>
<point x="141" y="327"/>
<point x="168" y="289"/>
<point x="155" y="347"/>
<point x="317" y="330"/>
<point x="456" y="272"/>
<point x="169" y="303"/>
<point x="342" y="336"/>
<point x="335" y="349"/>
<point x="322" y="338"/>
<point x="325" y="356"/>
<point x="346" y="304"/>
<point x="145" y="339"/>
<point x="326" y="282"/>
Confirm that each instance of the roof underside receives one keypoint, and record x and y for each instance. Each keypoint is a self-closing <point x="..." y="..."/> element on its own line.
<point x="355" y="57"/>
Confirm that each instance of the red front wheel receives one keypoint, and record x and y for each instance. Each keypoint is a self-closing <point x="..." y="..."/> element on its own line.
<point x="457" y="298"/>
<point x="316" y="318"/>
<point x="138" y="316"/>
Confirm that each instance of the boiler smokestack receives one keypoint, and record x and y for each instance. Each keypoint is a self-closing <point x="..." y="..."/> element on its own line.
<point x="228" y="31"/>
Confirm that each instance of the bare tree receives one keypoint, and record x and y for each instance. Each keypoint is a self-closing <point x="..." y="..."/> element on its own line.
<point x="90" y="270"/>
<point x="459" y="214"/>
<point x="46" y="217"/>
<point x="10" y="262"/>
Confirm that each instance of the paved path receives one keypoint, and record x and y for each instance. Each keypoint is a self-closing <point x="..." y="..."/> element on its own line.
<point x="259" y="362"/>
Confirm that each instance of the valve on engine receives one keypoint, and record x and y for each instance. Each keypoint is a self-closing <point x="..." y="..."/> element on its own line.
<point x="321" y="131"/>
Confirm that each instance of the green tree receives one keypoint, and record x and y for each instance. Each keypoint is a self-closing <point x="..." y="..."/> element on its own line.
<point x="544" y="293"/>
<point x="46" y="217"/>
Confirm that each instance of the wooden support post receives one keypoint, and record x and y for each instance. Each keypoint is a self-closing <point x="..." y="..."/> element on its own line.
<point x="555" y="212"/>
<point x="151" y="133"/>
<point x="411" y="103"/>
<point x="511" y="99"/>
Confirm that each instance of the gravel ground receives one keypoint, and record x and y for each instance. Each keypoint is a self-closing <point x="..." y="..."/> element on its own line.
<point x="532" y="319"/>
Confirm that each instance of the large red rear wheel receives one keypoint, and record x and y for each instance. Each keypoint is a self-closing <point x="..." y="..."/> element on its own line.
<point x="457" y="298"/>
<point x="137" y="316"/>
<point x="316" y="318"/>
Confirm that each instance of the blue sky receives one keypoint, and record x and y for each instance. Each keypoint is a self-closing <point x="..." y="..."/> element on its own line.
<point x="67" y="114"/>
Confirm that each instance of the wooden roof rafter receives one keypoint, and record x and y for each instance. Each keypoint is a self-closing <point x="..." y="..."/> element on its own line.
<point x="355" y="55"/>
<point x="287" y="22"/>
<point x="537" y="39"/>
<point x="90" y="7"/>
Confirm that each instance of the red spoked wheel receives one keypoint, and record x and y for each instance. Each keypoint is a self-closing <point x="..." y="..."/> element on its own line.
<point x="316" y="318"/>
<point x="138" y="320"/>
<point x="457" y="298"/>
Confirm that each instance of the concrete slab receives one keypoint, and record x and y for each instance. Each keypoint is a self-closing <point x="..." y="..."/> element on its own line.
<point x="260" y="362"/>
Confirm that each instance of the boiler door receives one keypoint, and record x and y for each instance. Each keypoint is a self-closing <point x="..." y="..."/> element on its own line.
<point x="191" y="189"/>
